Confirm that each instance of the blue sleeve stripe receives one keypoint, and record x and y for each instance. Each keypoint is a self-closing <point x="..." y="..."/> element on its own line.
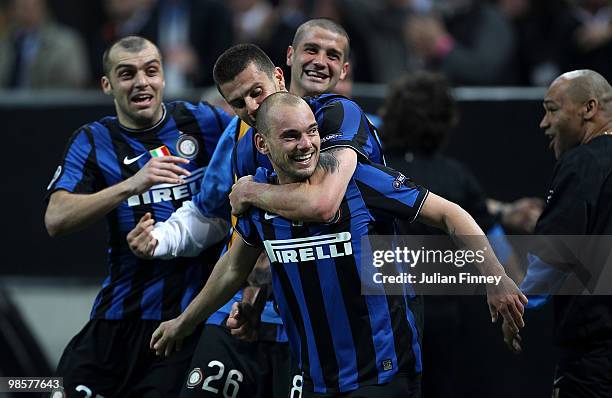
<point x="75" y="160"/>
<point x="499" y="243"/>
<point x="212" y="200"/>
<point x="541" y="281"/>
<point x="351" y="118"/>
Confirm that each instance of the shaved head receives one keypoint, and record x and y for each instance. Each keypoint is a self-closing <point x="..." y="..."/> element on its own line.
<point x="585" y="84"/>
<point x="265" y="114"/>
<point x="323" y="23"/>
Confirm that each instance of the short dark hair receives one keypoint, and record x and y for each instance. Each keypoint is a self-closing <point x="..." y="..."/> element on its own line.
<point x="237" y="58"/>
<point x="323" y="23"/>
<point x="131" y="44"/>
<point x="418" y="113"/>
<point x="262" y="124"/>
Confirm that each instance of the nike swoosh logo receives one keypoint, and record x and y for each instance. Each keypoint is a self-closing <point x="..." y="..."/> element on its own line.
<point x="557" y="380"/>
<point x="127" y="161"/>
<point x="269" y="216"/>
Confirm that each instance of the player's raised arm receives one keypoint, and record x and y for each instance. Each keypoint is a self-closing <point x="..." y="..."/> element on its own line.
<point x="506" y="298"/>
<point x="315" y="200"/>
<point x="199" y="222"/>
<point x="68" y="212"/>
<point x="229" y="274"/>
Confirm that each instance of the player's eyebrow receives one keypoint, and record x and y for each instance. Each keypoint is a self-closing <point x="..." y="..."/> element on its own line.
<point x="131" y="65"/>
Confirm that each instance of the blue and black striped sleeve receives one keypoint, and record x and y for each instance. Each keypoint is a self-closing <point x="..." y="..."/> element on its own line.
<point x="78" y="169"/>
<point x="246" y="225"/>
<point x="389" y="191"/>
<point x="247" y="230"/>
<point x="342" y="123"/>
<point x="218" y="179"/>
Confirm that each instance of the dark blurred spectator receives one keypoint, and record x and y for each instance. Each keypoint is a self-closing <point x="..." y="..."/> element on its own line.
<point x="418" y="115"/>
<point x="37" y="53"/>
<point x="3" y="18"/>
<point x="250" y="19"/>
<point x="540" y="27"/>
<point x="282" y="24"/>
<point x="375" y="28"/>
<point x="470" y="41"/>
<point x="122" y="18"/>
<point x="191" y="34"/>
<point x="345" y="87"/>
<point x="588" y="40"/>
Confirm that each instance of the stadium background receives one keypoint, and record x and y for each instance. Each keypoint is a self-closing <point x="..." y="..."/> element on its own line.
<point x="52" y="282"/>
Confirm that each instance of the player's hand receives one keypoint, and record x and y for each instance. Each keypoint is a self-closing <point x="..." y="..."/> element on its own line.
<point x="169" y="335"/>
<point x="238" y="196"/>
<point x="522" y="214"/>
<point x="243" y="321"/>
<point x="508" y="300"/>
<point x="140" y="240"/>
<point x="513" y="340"/>
<point x="159" y="170"/>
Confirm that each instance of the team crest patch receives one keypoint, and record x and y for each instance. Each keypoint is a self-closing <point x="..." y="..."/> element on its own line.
<point x="387" y="364"/>
<point x="56" y="175"/>
<point x="187" y="146"/>
<point x="399" y="181"/>
<point x="195" y="378"/>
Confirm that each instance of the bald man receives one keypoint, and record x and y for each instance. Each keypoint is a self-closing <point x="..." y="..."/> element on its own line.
<point x="578" y="122"/>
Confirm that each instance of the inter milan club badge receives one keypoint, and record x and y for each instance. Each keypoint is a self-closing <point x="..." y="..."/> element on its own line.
<point x="187" y="146"/>
<point x="195" y="378"/>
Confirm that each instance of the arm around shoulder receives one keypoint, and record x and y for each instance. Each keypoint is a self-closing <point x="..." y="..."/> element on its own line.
<point x="315" y="200"/>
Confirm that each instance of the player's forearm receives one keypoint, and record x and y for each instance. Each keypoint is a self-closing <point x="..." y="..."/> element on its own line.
<point x="299" y="201"/>
<point x="225" y="280"/>
<point x="68" y="212"/>
<point x="187" y="233"/>
<point x="466" y="233"/>
<point x="314" y="200"/>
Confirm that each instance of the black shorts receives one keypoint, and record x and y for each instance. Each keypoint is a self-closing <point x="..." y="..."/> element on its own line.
<point x="585" y="373"/>
<point x="113" y="359"/>
<point x="402" y="386"/>
<point x="224" y="366"/>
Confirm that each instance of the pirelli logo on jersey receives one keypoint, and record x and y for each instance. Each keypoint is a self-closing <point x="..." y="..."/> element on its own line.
<point x="309" y="249"/>
<point x="167" y="192"/>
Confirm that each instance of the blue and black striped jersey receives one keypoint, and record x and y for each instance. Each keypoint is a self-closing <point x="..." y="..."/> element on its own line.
<point x="341" y="122"/>
<point x="102" y="154"/>
<point x="343" y="339"/>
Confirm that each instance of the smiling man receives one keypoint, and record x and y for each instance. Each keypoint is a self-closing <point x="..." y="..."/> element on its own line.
<point x="578" y="122"/>
<point x="149" y="158"/>
<point x="347" y="343"/>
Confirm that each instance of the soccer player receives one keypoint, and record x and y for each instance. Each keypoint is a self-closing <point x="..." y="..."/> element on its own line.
<point x="578" y="122"/>
<point x="149" y="158"/>
<point x="345" y="341"/>
<point x="319" y="59"/>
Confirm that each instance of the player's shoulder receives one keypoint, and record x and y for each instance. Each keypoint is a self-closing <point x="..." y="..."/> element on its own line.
<point x="96" y="128"/>
<point x="244" y="132"/>
<point x="264" y="175"/>
<point x="177" y="107"/>
<point x="326" y="99"/>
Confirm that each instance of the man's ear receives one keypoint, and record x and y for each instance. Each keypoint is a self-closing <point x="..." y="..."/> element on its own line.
<point x="106" y="85"/>
<point x="590" y="109"/>
<point x="279" y="78"/>
<point x="260" y="144"/>
<point x="289" y="61"/>
<point x="344" y="71"/>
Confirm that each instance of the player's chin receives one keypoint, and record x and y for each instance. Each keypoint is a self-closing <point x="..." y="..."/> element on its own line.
<point x="303" y="172"/>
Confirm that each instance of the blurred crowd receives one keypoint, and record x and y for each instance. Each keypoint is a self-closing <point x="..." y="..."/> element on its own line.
<point x="58" y="43"/>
